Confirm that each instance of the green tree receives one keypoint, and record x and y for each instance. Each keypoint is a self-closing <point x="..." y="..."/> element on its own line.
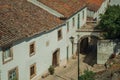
<point x="110" y="22"/>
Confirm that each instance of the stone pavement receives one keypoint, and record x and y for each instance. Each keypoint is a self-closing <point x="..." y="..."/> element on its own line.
<point x="64" y="73"/>
<point x="70" y="71"/>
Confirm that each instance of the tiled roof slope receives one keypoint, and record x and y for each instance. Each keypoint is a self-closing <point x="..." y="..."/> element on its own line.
<point x="94" y="5"/>
<point x="20" y="19"/>
<point x="65" y="7"/>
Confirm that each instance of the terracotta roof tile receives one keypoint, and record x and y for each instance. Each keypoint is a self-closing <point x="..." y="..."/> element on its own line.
<point x="20" y="19"/>
<point x="94" y="5"/>
<point x="65" y="7"/>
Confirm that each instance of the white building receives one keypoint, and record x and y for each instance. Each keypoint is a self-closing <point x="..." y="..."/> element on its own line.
<point x="35" y="35"/>
<point x="95" y="8"/>
<point x="32" y="39"/>
<point x="114" y="2"/>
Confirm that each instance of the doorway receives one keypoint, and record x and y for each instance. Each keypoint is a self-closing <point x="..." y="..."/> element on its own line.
<point x="84" y="45"/>
<point x="88" y="49"/>
<point x="55" y="59"/>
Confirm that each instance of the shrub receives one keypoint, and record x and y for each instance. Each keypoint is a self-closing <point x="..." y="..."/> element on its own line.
<point x="15" y="78"/>
<point x="51" y="70"/>
<point x="88" y="75"/>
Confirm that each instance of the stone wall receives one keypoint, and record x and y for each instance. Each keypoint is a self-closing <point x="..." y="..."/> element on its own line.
<point x="105" y="48"/>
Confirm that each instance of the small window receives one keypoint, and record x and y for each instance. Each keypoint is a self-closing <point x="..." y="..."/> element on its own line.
<point x="32" y="70"/>
<point x="13" y="74"/>
<point x="83" y="14"/>
<point x="73" y="21"/>
<point x="32" y="48"/>
<point x="59" y="34"/>
<point x="78" y="25"/>
<point x="67" y="26"/>
<point x="7" y="54"/>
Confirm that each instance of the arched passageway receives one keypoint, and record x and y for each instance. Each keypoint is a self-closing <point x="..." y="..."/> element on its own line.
<point x="88" y="44"/>
<point x="88" y="47"/>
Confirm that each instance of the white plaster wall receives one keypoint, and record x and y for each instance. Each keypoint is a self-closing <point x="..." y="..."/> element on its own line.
<point x="101" y="10"/>
<point x="90" y="13"/>
<point x="83" y="21"/>
<point x="43" y="55"/>
<point x="105" y="48"/>
<point x="115" y="2"/>
<point x="42" y="58"/>
<point x="72" y="30"/>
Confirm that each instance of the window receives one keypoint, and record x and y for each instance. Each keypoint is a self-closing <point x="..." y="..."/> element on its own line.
<point x="7" y="54"/>
<point x="83" y="14"/>
<point x="59" y="34"/>
<point x="78" y="26"/>
<point x="73" y="21"/>
<point x="67" y="26"/>
<point x="32" y="70"/>
<point x="13" y="74"/>
<point x="32" y="48"/>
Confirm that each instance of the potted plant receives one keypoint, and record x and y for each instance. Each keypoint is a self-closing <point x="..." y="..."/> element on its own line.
<point x="51" y="70"/>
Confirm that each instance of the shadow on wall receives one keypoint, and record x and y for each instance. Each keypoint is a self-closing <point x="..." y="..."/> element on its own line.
<point x="116" y="48"/>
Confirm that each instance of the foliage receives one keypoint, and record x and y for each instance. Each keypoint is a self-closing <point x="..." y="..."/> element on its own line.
<point x="110" y="22"/>
<point x="88" y="75"/>
<point x="51" y="70"/>
<point x="15" y="78"/>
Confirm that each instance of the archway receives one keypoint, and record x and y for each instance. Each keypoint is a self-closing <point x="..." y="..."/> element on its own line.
<point x="88" y="47"/>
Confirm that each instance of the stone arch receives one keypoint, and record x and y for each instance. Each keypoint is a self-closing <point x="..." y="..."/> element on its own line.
<point x="89" y="49"/>
<point x="85" y="38"/>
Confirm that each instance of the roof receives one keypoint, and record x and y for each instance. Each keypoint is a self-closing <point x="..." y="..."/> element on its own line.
<point x="94" y="5"/>
<point x="20" y="19"/>
<point x="65" y="7"/>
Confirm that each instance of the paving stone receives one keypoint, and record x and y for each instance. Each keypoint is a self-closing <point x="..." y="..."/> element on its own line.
<point x="70" y="72"/>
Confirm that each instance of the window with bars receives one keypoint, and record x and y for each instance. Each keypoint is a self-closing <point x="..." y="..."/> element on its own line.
<point x="60" y="34"/>
<point x="32" y="70"/>
<point x="32" y="48"/>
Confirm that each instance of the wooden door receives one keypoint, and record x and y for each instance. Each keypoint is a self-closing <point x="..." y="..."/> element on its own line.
<point x="55" y="61"/>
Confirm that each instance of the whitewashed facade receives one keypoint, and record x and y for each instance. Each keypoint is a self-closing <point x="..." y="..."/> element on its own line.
<point x="101" y="10"/>
<point x="114" y="2"/>
<point x="45" y="45"/>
